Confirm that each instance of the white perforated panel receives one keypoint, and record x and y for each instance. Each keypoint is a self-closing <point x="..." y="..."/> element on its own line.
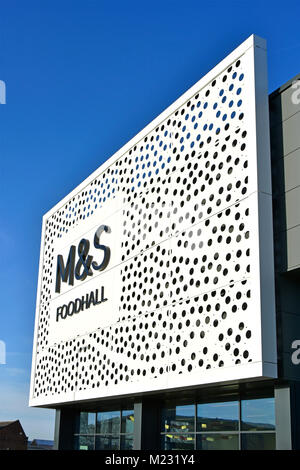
<point x="189" y="287"/>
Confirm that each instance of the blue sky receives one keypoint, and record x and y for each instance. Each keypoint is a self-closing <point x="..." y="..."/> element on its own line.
<point x="82" y="78"/>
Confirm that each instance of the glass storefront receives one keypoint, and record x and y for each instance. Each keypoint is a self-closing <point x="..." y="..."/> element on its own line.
<point x="258" y="415"/>
<point x="104" y="430"/>
<point x="179" y="419"/>
<point x="218" y="441"/>
<point x="218" y="416"/>
<point x="220" y="425"/>
<point x="229" y="425"/>
<point x="178" y="442"/>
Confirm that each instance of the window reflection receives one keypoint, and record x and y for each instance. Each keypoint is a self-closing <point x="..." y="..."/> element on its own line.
<point x="228" y="425"/>
<point x="258" y="414"/>
<point x="104" y="430"/>
<point x="218" y="416"/>
<point x="126" y="442"/>
<point x="178" y="442"/>
<point x="218" y="442"/>
<point x="248" y="424"/>
<point x="108" y="422"/>
<point x="127" y="421"/>
<point x="179" y="419"/>
<point x="107" y="443"/>
<point x="84" y="443"/>
<point x="87" y="423"/>
<point x="261" y="441"/>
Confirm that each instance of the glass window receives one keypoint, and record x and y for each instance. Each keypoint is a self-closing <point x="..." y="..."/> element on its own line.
<point x="224" y="425"/>
<point x="218" y="441"/>
<point x="105" y="430"/>
<point x="218" y="416"/>
<point x="107" y="443"/>
<point x="126" y="442"/>
<point x="127" y="421"/>
<point x="84" y="443"/>
<point x="178" y="442"/>
<point x="108" y="422"/>
<point x="178" y="419"/>
<point x="87" y="423"/>
<point x="258" y="441"/>
<point x="258" y="414"/>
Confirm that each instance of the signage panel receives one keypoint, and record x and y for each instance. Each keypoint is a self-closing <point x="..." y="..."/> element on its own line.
<point x="157" y="272"/>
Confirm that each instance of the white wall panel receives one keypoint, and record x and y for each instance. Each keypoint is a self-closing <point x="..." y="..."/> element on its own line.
<point x="190" y="282"/>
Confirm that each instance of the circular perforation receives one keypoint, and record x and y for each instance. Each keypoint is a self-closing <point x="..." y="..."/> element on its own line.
<point x="183" y="196"/>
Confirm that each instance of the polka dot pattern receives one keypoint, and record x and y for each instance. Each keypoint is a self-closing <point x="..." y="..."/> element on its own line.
<point x="183" y="195"/>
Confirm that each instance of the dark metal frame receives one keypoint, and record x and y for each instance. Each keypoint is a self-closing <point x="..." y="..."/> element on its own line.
<point x="239" y="432"/>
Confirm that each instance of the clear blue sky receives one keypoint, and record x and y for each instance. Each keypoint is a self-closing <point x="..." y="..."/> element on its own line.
<point x="82" y="78"/>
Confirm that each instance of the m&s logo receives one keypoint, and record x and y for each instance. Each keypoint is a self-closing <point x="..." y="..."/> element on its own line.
<point x="85" y="264"/>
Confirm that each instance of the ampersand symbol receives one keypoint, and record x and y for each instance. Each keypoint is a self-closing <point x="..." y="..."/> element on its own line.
<point x="84" y="260"/>
<point x="295" y="95"/>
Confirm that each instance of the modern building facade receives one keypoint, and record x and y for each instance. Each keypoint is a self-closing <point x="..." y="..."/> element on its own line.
<point x="167" y="297"/>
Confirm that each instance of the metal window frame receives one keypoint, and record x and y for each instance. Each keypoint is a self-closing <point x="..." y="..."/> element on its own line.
<point x="117" y="435"/>
<point x="239" y="432"/>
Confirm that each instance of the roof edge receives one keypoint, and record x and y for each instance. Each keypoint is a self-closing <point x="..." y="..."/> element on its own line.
<point x="284" y="87"/>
